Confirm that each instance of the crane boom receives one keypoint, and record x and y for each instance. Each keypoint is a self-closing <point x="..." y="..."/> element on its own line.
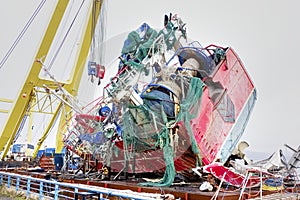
<point x="18" y="110"/>
<point x="27" y="92"/>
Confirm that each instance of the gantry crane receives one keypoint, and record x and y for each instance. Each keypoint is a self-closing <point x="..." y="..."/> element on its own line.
<point x="40" y="92"/>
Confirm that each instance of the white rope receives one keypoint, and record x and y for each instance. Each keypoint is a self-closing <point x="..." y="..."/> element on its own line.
<point x="214" y="197"/>
<point x="244" y="186"/>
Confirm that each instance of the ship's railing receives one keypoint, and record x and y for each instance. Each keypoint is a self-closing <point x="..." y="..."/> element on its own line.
<point x="51" y="189"/>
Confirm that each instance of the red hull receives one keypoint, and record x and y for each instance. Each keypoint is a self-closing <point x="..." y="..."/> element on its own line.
<point x="211" y="127"/>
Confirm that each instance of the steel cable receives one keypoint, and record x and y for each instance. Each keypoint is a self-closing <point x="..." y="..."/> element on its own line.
<point x="65" y="37"/>
<point x="11" y="49"/>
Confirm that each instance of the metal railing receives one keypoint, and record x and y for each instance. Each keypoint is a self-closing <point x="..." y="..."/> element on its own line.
<point x="52" y="189"/>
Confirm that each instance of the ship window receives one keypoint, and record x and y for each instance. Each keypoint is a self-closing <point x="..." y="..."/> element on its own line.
<point x="226" y="108"/>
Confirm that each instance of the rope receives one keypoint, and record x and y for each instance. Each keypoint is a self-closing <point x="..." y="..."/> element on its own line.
<point x="244" y="186"/>
<point x="11" y="49"/>
<point x="215" y="196"/>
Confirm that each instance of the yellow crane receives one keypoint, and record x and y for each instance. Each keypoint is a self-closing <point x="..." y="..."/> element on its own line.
<point x="35" y="94"/>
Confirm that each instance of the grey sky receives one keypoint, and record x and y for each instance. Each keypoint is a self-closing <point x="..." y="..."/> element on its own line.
<point x="265" y="34"/>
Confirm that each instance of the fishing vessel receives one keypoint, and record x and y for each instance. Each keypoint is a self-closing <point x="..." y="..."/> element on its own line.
<point x="174" y="108"/>
<point x="173" y="105"/>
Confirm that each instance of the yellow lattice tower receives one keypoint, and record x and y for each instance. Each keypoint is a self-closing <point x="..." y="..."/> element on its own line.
<point x="33" y="84"/>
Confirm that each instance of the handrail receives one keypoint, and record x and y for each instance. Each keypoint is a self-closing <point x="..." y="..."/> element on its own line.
<point x="52" y="189"/>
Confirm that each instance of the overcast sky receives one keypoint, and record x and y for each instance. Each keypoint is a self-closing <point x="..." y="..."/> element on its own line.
<point x="265" y="34"/>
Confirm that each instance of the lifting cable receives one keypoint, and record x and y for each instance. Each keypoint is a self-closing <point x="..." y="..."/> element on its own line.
<point x="93" y="27"/>
<point x="20" y="128"/>
<point x="65" y="37"/>
<point x="21" y="125"/>
<point x="11" y="49"/>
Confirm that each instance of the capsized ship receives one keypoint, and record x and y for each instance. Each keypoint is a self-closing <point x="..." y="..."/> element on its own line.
<point x="172" y="105"/>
